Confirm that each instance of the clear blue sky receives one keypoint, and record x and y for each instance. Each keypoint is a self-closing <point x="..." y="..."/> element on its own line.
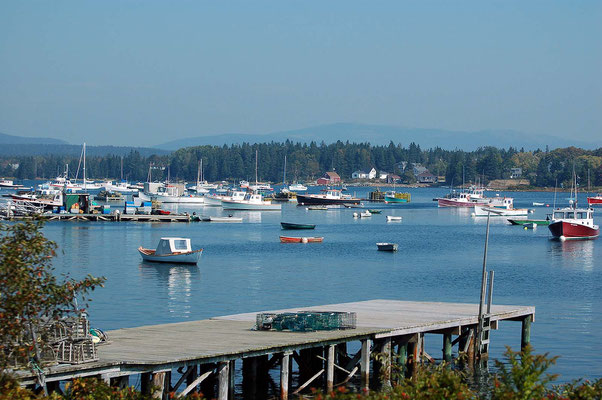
<point x="145" y="72"/>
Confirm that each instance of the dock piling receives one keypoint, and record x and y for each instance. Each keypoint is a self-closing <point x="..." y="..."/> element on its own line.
<point x="365" y="363"/>
<point x="525" y="337"/>
<point x="447" y="347"/>
<point x="330" y="369"/>
<point x="223" y="372"/>
<point x="284" y="375"/>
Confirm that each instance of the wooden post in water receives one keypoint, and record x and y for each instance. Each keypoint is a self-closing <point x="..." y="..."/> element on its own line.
<point x="447" y="347"/>
<point x="223" y="372"/>
<point x="402" y="355"/>
<point x="330" y="369"/>
<point x="385" y="378"/>
<point x="284" y="375"/>
<point x="525" y="337"/>
<point x="231" y="374"/>
<point x="365" y="363"/>
<point x="161" y="381"/>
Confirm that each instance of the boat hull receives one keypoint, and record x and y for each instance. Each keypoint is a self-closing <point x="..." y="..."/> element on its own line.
<point x="288" y="225"/>
<point x="181" y="199"/>
<point x="311" y="200"/>
<point x="597" y="200"/>
<point x="288" y="239"/>
<point x="241" y="205"/>
<point x="179" y="258"/>
<point x="456" y="203"/>
<point x="572" y="231"/>
<point x="529" y="221"/>
<point x="387" y="246"/>
<point x="394" y="200"/>
<point x="480" y="211"/>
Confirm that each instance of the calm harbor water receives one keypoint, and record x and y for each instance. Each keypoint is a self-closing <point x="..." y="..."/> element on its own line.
<point x="245" y="268"/>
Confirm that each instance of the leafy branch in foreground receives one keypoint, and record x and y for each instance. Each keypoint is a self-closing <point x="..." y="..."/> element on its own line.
<point x="31" y="296"/>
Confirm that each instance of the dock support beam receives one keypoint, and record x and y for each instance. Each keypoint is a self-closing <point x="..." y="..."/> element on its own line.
<point x="385" y="366"/>
<point x="447" y="347"/>
<point x="161" y="381"/>
<point x="402" y="355"/>
<point x="223" y="372"/>
<point x="525" y="337"/>
<point x="284" y="375"/>
<point x="365" y="363"/>
<point x="330" y="369"/>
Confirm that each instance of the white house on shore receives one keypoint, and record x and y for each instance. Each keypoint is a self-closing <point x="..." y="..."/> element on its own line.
<point x="359" y="175"/>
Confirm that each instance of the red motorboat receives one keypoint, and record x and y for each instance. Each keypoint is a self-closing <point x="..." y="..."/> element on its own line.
<point x="288" y="239"/>
<point x="595" y="200"/>
<point x="573" y="223"/>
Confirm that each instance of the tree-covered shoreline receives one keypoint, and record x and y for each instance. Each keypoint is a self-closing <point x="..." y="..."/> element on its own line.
<point x="306" y="162"/>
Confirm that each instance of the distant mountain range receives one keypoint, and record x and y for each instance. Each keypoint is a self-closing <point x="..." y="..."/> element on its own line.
<point x="10" y="139"/>
<point x="383" y="134"/>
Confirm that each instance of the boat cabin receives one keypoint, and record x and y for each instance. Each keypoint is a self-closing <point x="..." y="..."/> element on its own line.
<point x="171" y="245"/>
<point x="584" y="216"/>
<point x="168" y="190"/>
<point x="332" y="193"/>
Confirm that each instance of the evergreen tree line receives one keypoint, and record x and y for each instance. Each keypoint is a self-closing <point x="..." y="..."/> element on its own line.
<point x="307" y="162"/>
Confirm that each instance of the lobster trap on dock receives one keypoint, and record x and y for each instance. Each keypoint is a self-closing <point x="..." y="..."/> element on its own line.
<point x="306" y="321"/>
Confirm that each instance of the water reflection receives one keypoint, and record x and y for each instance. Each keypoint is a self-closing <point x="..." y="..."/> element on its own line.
<point x="574" y="253"/>
<point x="177" y="279"/>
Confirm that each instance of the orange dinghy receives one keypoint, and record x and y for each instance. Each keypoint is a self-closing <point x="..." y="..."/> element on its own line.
<point x="288" y="239"/>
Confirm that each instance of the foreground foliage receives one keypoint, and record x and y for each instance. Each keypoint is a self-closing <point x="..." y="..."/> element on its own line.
<point x="30" y="294"/>
<point x="522" y="376"/>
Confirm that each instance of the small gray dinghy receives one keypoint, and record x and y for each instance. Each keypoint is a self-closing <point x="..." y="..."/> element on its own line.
<point x="387" y="246"/>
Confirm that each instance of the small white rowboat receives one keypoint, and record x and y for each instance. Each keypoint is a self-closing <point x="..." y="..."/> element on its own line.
<point x="172" y="250"/>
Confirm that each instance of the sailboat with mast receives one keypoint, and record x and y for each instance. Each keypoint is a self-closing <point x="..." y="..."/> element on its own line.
<point x="253" y="200"/>
<point x="573" y="223"/>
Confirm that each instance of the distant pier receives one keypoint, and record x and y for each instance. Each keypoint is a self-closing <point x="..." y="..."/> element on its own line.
<point x="117" y="217"/>
<point x="204" y="355"/>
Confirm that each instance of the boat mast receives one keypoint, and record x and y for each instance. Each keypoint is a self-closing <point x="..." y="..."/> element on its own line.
<point x="198" y="175"/>
<point x="84" y="170"/>
<point x="122" y="168"/>
<point x="255" y="167"/>
<point x="284" y="177"/>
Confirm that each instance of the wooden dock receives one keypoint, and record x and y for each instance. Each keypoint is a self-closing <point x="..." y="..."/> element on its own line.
<point x="205" y="353"/>
<point x="112" y="217"/>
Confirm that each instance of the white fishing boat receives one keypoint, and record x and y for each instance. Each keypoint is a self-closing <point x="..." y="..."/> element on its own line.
<point x="297" y="187"/>
<point x="482" y="211"/>
<point x="172" y="250"/>
<point x="170" y="194"/>
<point x="229" y="218"/>
<point x="122" y="187"/>
<point x="8" y="184"/>
<point x="500" y="207"/>
<point x="251" y="201"/>
<point x="392" y="218"/>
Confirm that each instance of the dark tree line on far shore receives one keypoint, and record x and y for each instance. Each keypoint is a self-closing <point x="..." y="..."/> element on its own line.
<point x="307" y="162"/>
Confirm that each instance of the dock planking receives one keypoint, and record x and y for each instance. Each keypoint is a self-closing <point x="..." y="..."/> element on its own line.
<point x="222" y="339"/>
<point x="213" y="345"/>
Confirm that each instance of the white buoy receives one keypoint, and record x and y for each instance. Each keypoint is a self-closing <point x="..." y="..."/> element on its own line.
<point x="304" y="240"/>
<point x="355" y="215"/>
<point x="562" y="238"/>
<point x="473" y="215"/>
